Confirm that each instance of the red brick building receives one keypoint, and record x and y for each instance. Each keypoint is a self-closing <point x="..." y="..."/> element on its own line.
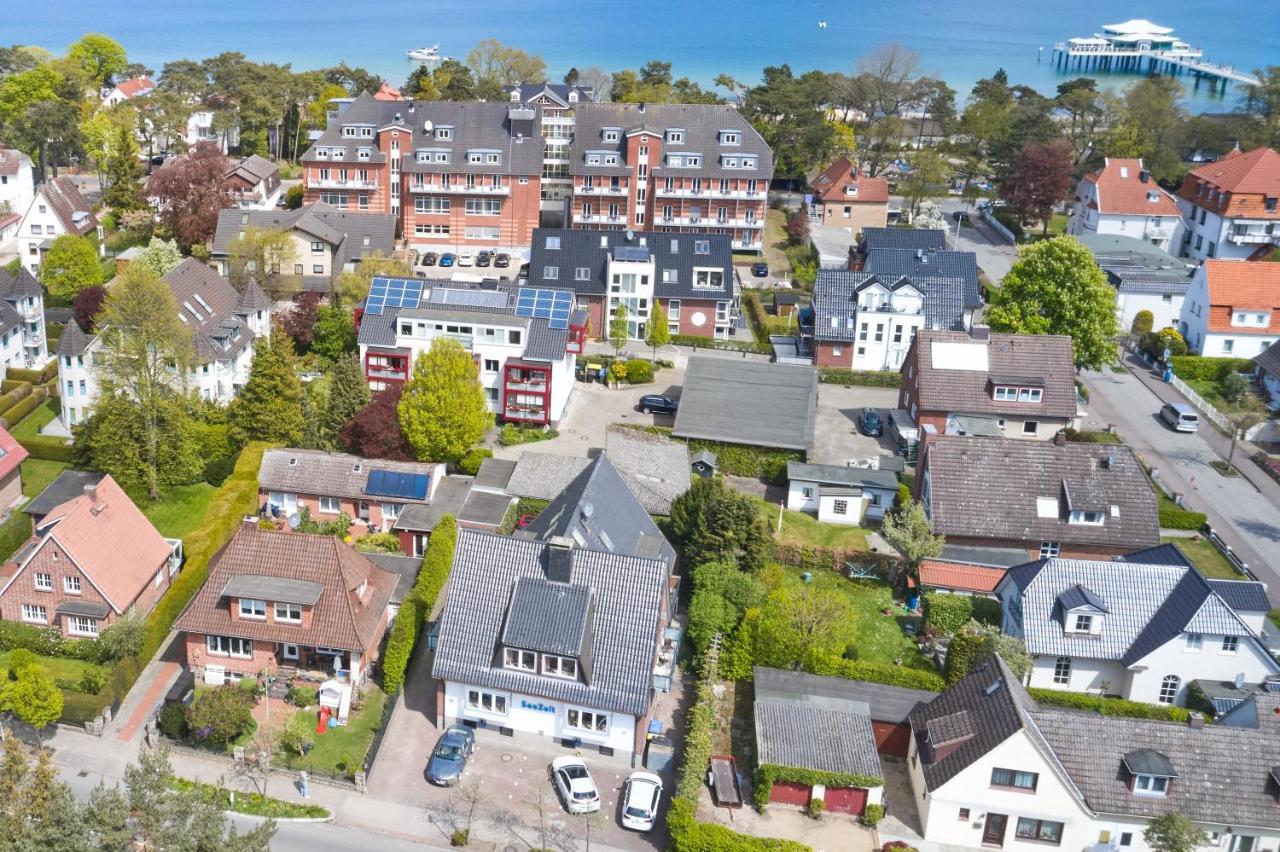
<point x="286" y="602"/>
<point x="457" y="176"/>
<point x="92" y="560"/>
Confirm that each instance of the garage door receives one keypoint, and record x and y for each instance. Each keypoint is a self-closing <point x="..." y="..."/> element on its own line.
<point x="790" y="793"/>
<point x="846" y="800"/>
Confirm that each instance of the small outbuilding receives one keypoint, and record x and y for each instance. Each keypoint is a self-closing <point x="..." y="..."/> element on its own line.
<point x="840" y="495"/>
<point x="748" y="402"/>
<point x="704" y="464"/>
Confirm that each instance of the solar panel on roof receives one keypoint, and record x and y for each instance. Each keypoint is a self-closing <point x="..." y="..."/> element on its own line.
<point x="555" y="306"/>
<point x="469" y="298"/>
<point x="392" y="293"/>
<point x="386" y="483"/>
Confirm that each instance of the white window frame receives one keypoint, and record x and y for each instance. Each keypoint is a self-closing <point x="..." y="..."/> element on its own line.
<point x="1150" y="785"/>
<point x="1192" y="642"/>
<point x="71" y="585"/>
<point x="249" y="608"/>
<point x="483" y="701"/>
<point x="1083" y="623"/>
<point x="554" y="665"/>
<point x="590" y="721"/>
<point x="1170" y="685"/>
<point x="1230" y="644"/>
<point x="519" y="660"/>
<point x="1062" y="671"/>
<point x="228" y="646"/>
<point x="288" y="609"/>
<point x="43" y="581"/>
<point x="1049" y="549"/>
<point x="330" y="505"/>
<point x="82" y="625"/>
<point x="35" y="614"/>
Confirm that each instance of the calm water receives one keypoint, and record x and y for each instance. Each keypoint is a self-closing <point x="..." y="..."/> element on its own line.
<point x="960" y="40"/>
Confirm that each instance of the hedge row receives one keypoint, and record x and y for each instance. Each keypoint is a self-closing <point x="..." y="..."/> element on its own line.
<point x="13" y="532"/>
<point x="880" y="673"/>
<point x="35" y="377"/>
<point x="1210" y="369"/>
<point x="1174" y="517"/>
<point x="947" y="613"/>
<point x="25" y="406"/>
<point x="698" y="342"/>
<point x="49" y="448"/>
<point x="742" y="460"/>
<point x="1109" y="706"/>
<point x="419" y="603"/>
<point x="11" y="397"/>
<point x="7" y="385"/>
<point x="865" y="378"/>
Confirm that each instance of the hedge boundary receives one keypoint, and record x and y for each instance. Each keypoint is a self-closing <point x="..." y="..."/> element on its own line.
<point x="1174" y="517"/>
<point x="863" y="378"/>
<point x="1109" y="706"/>
<point x="1200" y="367"/>
<point x="419" y="603"/>
<point x="880" y="673"/>
<point x="49" y="448"/>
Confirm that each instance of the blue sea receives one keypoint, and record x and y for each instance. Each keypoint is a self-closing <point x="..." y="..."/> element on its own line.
<point x="958" y="40"/>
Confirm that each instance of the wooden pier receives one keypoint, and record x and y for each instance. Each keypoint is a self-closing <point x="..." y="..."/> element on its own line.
<point x="1140" y="46"/>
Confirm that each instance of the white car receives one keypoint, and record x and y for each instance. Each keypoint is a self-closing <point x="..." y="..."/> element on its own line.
<point x="640" y="797"/>
<point x="466" y="258"/>
<point x="577" y="789"/>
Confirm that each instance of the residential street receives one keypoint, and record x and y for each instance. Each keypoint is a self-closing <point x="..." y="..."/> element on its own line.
<point x="995" y="255"/>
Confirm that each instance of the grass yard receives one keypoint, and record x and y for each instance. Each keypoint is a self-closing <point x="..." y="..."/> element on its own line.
<point x="30" y="426"/>
<point x="878" y="638"/>
<point x="58" y="668"/>
<point x="348" y="743"/>
<point x="1208" y="560"/>
<point x="179" y="510"/>
<point x="38" y="473"/>
<point x="806" y="530"/>
<point x="775" y="241"/>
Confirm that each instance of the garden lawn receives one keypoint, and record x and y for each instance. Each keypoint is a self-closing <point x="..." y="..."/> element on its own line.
<point x="806" y="530"/>
<point x="30" y="426"/>
<point x="179" y="510"/>
<point x="38" y="473"/>
<point x="877" y="638"/>
<point x="1208" y="560"/>
<point x="58" y="668"/>
<point x="350" y="742"/>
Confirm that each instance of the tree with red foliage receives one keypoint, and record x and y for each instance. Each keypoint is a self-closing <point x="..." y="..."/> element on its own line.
<point x="1039" y="179"/>
<point x="375" y="432"/>
<point x="191" y="190"/>
<point x="797" y="226"/>
<point x="300" y="322"/>
<point x="87" y="306"/>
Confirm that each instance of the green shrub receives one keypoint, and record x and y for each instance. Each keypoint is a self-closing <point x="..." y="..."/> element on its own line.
<point x="689" y="835"/>
<point x="13" y="534"/>
<point x="880" y="673"/>
<point x="10" y="398"/>
<point x="987" y="611"/>
<point x="1143" y="322"/>
<point x="19" y="660"/>
<point x="418" y="603"/>
<point x="303" y="696"/>
<point x="742" y="460"/>
<point x="1174" y="517"/>
<point x="513" y="435"/>
<point x="1085" y="436"/>
<point x="220" y="715"/>
<point x="50" y="448"/>
<point x="1198" y="367"/>
<point x="470" y="463"/>
<point x="382" y="542"/>
<point x="872" y="814"/>
<point x="7" y="385"/>
<point x="864" y="378"/>
<point x="816" y="808"/>
<point x="1109" y="706"/>
<point x="639" y="371"/>
<point x="1155" y="342"/>
<point x="79" y="707"/>
<point x="947" y="613"/>
<point x="24" y="406"/>
<point x="173" y="721"/>
<point x="92" y="680"/>
<point x="22" y="374"/>
<point x="699" y="342"/>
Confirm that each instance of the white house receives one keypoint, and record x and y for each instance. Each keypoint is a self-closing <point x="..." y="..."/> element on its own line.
<point x="22" y="331"/>
<point x="17" y="186"/>
<point x="1122" y="199"/>
<point x="991" y="768"/>
<point x="840" y="495"/>
<point x="58" y="208"/>
<point x="1143" y="628"/>
<point x="1232" y="206"/>
<point x="1146" y="278"/>
<point x="224" y="324"/>
<point x="1232" y="309"/>
<point x="134" y="87"/>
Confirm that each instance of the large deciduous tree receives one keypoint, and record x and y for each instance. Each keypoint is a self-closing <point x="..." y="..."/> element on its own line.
<point x="269" y="406"/>
<point x="1038" y="181"/>
<point x="907" y="528"/>
<point x="1056" y="287"/>
<point x="788" y="111"/>
<point x="159" y="256"/>
<point x="267" y="255"/>
<point x="444" y="411"/>
<point x="497" y="64"/>
<point x="70" y="265"/>
<point x="375" y="431"/>
<point x="100" y="57"/>
<point x="87" y="305"/>
<point x="191" y="190"/>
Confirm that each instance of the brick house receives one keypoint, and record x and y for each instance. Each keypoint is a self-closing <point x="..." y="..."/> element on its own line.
<point x="286" y="602"/>
<point x="1042" y="498"/>
<point x="982" y="383"/>
<point x="93" y="560"/>
<point x="844" y="199"/>
<point x="372" y="492"/>
<point x="12" y="455"/>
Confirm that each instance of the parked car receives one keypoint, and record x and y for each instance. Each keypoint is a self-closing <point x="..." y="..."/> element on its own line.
<point x="960" y="216"/>
<point x="575" y="785"/>
<point x="484" y="258"/>
<point x="466" y="258"/>
<point x="447" y="259"/>
<point x="640" y="796"/>
<point x="502" y="261"/>
<point x="1180" y="417"/>
<point x="449" y="757"/>
<point x="870" y="423"/>
<point x="653" y="403"/>
<point x="428" y="259"/>
<point x="760" y="270"/>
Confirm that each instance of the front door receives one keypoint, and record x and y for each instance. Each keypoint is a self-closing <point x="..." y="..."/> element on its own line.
<point x="993" y="833"/>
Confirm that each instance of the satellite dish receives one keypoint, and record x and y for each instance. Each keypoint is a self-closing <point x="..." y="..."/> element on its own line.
<point x="588" y="510"/>
<point x="294" y="520"/>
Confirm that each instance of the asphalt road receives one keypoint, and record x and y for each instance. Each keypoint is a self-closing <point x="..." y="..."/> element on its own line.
<point x="1248" y="521"/>
<point x="994" y="254"/>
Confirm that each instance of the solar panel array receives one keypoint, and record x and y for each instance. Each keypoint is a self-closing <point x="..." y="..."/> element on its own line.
<point x="386" y="483"/>
<point x="467" y="298"/>
<point x="392" y="293"/>
<point x="554" y="306"/>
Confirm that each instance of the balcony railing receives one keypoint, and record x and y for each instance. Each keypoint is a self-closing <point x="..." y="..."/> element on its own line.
<point x="525" y="412"/>
<point x="374" y="373"/>
<point x="754" y="195"/>
<point x="599" y="190"/>
<point x="337" y="183"/>
<point x="459" y="189"/>
<point x="1254" y="238"/>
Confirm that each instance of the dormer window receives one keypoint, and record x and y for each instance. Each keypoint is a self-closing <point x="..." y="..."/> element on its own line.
<point x="730" y="137"/>
<point x="444" y="133"/>
<point x="555" y="666"/>
<point x="1005" y="393"/>
<point x="1150" y="772"/>
<point x="675" y="136"/>
<point x="610" y="134"/>
<point x="1084" y="624"/>
<point x="514" y="658"/>
<point x="1150" y="785"/>
<point x="250" y="608"/>
<point x="1088" y="518"/>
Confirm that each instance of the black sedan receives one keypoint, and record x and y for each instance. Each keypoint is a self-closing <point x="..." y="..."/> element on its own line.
<point x="449" y="757"/>
<point x="870" y="423"/>
<point x="484" y="258"/>
<point x="502" y="261"/>
<point x="655" y="404"/>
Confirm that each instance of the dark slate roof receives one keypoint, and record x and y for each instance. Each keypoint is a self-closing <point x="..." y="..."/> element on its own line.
<point x="672" y="254"/>
<point x="484" y="509"/>
<point x="21" y="285"/>
<point x="903" y="238"/>
<point x="268" y="588"/>
<point x="1242" y="595"/>
<point x="935" y="263"/>
<point x="961" y="503"/>
<point x="955" y="372"/>
<point x="835" y="301"/>
<point x="831" y="474"/>
<point x="448" y="499"/>
<point x="404" y="567"/>
<point x="355" y="234"/>
<point x="494" y="473"/>
<point x="891" y="704"/>
<point x="1269" y="359"/>
<point x="253" y="299"/>
<point x="997" y="557"/>
<point x="559" y="92"/>
<point x="629" y="593"/>
<point x="209" y="306"/>
<point x="1146" y="762"/>
<point x="543" y="476"/>
<point x="701" y="124"/>
<point x="816" y="737"/>
<point x="748" y="402"/>
<point x="1080" y="597"/>
<point x="1136" y="266"/>
<point x="548" y="617"/>
<point x="1161" y="554"/>
<point x="68" y="485"/>
<point x="598" y="511"/>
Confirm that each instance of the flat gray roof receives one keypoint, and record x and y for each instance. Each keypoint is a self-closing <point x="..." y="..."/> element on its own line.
<point x="261" y="587"/>
<point x="748" y="402"/>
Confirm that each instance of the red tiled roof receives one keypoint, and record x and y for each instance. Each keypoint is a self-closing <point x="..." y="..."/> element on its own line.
<point x="386" y="93"/>
<point x="10" y="160"/>
<point x="1244" y="179"/>
<point x="7" y="219"/>
<point x="1236" y="285"/>
<point x="1121" y="189"/>
<point x="136" y="86"/>
<point x="959" y="575"/>
<point x="830" y="185"/>
<point x="65" y="199"/>
<point x="12" y="453"/>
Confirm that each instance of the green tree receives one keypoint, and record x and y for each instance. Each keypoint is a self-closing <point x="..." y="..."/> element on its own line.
<point x="714" y="524"/>
<point x="37" y="811"/>
<point x="802" y="625"/>
<point x="269" y="406"/>
<point x="100" y="57"/>
<point x="33" y="698"/>
<point x="70" y="265"/>
<point x="1056" y="287"/>
<point x="975" y="642"/>
<point x="495" y="63"/>
<point x="722" y="593"/>
<point x="618" y="327"/>
<point x="123" y="174"/>
<point x="335" y="333"/>
<point x="159" y="256"/>
<point x="348" y="393"/>
<point x="443" y="410"/>
<point x="1143" y="322"/>
<point x="657" y="333"/>
<point x="907" y="528"/>
<point x="114" y="440"/>
<point x="145" y="346"/>
<point x="354" y="285"/>
<point x="1173" y="832"/>
<point x="927" y="178"/>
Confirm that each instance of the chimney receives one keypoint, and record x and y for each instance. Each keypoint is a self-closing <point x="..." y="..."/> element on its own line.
<point x="559" y="559"/>
<point x="1144" y="176"/>
<point x="1195" y="720"/>
<point x="1060" y="439"/>
<point x="980" y="332"/>
<point x="91" y="488"/>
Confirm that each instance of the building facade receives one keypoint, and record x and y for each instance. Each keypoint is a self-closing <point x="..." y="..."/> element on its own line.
<point x="57" y="209"/>
<point x="1122" y="199"/>
<point x="845" y="199"/>
<point x="556" y="103"/>
<point x="1230" y="206"/>
<point x="22" y="325"/>
<point x="255" y="182"/>
<point x="1232" y="309"/>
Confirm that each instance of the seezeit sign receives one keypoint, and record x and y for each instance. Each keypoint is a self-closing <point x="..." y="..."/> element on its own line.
<point x="537" y="706"/>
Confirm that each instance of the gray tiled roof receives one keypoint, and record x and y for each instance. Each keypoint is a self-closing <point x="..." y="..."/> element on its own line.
<point x="655" y="468"/>
<point x="591" y="250"/>
<point x="814" y="737"/>
<point x="74" y="340"/>
<point x="19" y="285"/>
<point x="948" y="386"/>
<point x="830" y="474"/>
<point x="548" y="617"/>
<point x="406" y="568"/>
<point x="332" y="474"/>
<point x="252" y="298"/>
<point x="701" y="124"/>
<point x="628" y="593"/>
<point x="209" y="306"/>
<point x="1269" y="359"/>
<point x="939" y="263"/>
<point x="558" y="91"/>
<point x="355" y="234"/>
<point x="835" y="301"/>
<point x="1242" y="595"/>
<point x="1136" y="266"/>
<point x="963" y="504"/>
<point x="68" y="485"/>
<point x="544" y="476"/>
<point x="747" y="402"/>
<point x="884" y="703"/>
<point x="903" y="238"/>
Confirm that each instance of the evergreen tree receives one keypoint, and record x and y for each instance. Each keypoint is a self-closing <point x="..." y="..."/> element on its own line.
<point x="444" y="411"/>
<point x="115" y="441"/>
<point x="348" y="393"/>
<point x="335" y="333"/>
<point x="123" y="174"/>
<point x="269" y="406"/>
<point x="657" y="333"/>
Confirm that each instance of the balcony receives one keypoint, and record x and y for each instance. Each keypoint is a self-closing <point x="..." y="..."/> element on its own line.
<point x="600" y="190"/>
<point x="755" y="195"/>
<point x="394" y="375"/>
<point x="1254" y="238"/>
<point x="533" y="413"/>
<point x="458" y="189"/>
<point x="337" y="183"/>
<point x="747" y="245"/>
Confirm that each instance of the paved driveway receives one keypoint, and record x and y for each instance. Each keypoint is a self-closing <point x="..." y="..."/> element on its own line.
<point x="994" y="254"/>
<point x="836" y="438"/>
<point x="1249" y="522"/>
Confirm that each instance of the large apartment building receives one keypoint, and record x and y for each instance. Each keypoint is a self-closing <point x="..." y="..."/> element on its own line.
<point x="556" y="103"/>
<point x="670" y="168"/>
<point x="524" y="339"/>
<point x="457" y="176"/>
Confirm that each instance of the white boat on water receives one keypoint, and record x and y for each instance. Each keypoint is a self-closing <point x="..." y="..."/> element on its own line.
<point x="426" y="54"/>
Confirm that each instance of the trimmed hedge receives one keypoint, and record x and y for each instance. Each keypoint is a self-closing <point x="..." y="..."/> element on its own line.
<point x="470" y="463"/>
<point x="698" y="342"/>
<point x="13" y="532"/>
<point x="639" y="371"/>
<point x="947" y="613"/>
<point x="49" y="448"/>
<point x="880" y="673"/>
<point x="1209" y="369"/>
<point x="11" y="398"/>
<point x="864" y="378"/>
<point x="1109" y="706"/>
<point x="1174" y="517"/>
<point x="7" y="385"/>
<point x="742" y="460"/>
<point x="419" y="603"/>
<point x="24" y="406"/>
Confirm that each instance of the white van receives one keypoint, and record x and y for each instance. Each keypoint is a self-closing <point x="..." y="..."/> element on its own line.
<point x="1180" y="417"/>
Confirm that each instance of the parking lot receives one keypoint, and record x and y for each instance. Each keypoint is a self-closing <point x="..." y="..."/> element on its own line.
<point x="837" y="439"/>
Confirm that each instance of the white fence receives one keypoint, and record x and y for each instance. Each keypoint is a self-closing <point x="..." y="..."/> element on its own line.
<point x="998" y="226"/>
<point x="1186" y="390"/>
